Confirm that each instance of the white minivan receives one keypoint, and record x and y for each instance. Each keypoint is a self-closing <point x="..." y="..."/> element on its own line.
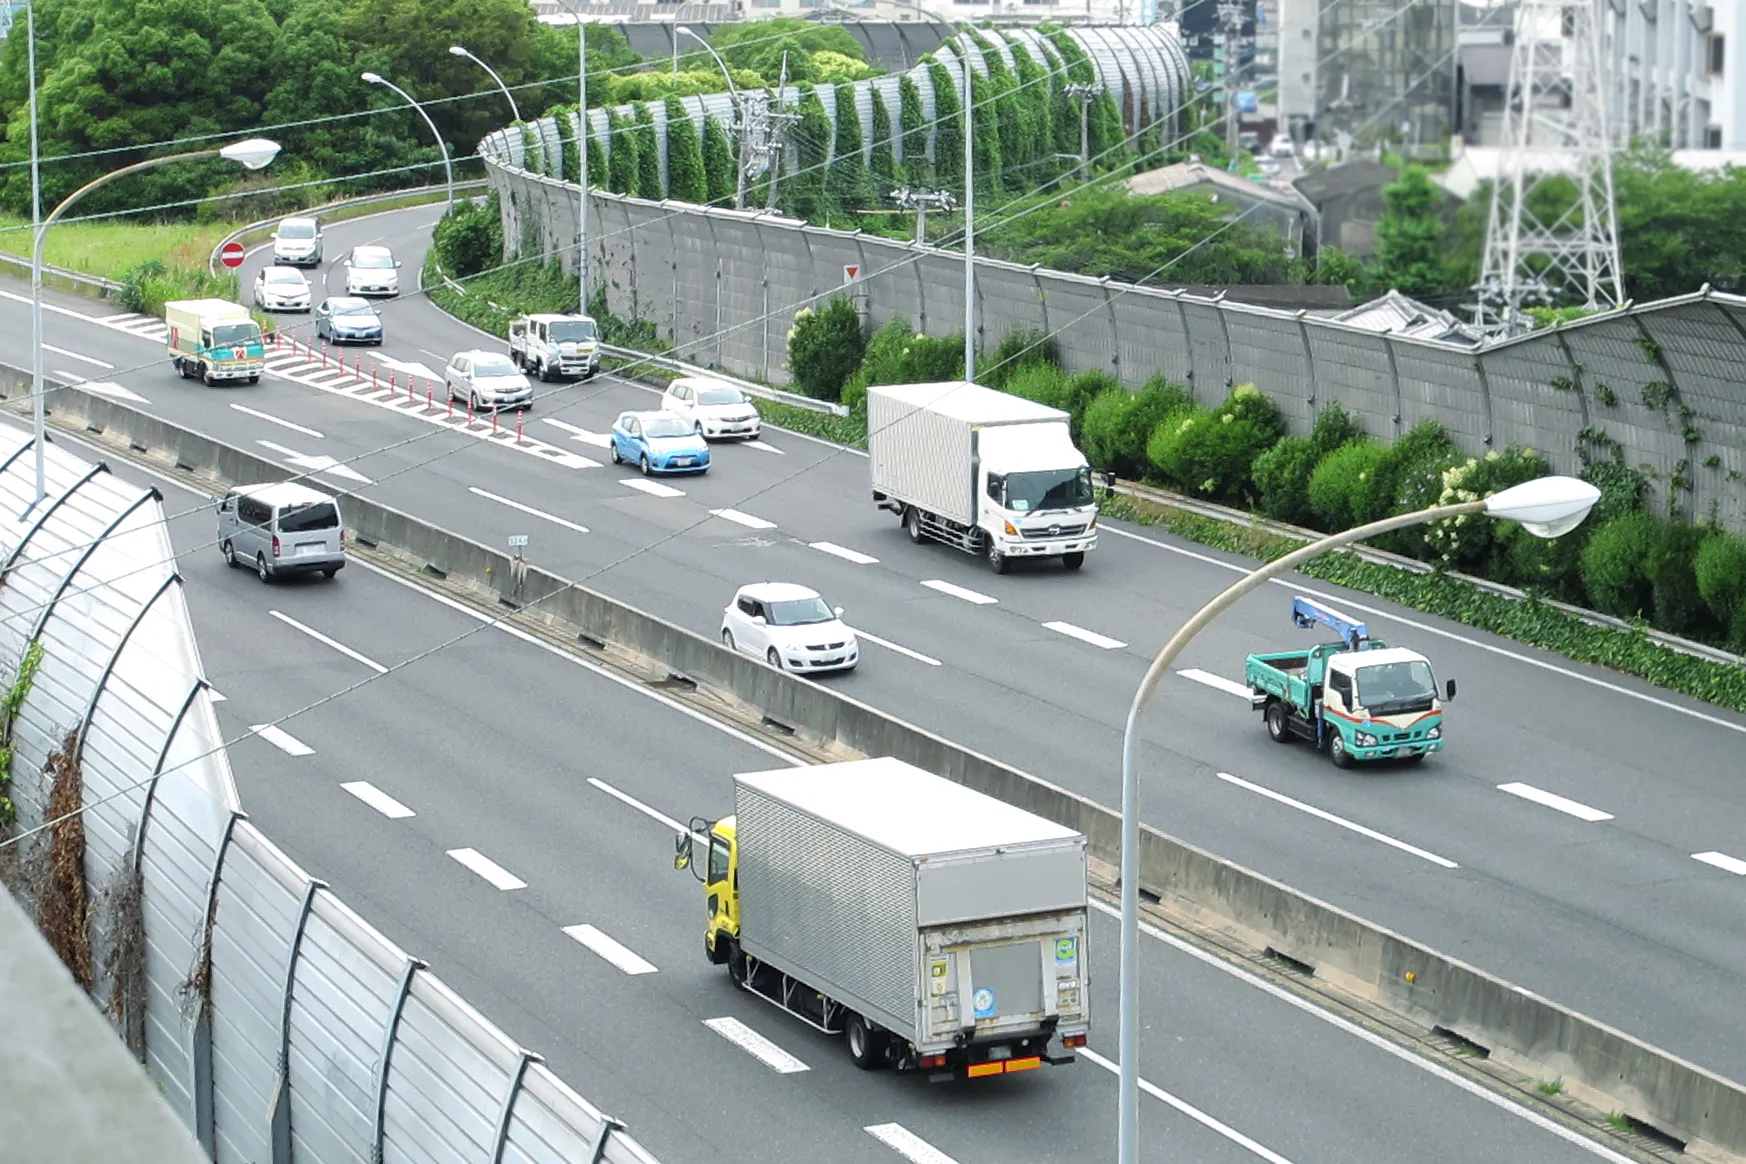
<point x="280" y="529"/>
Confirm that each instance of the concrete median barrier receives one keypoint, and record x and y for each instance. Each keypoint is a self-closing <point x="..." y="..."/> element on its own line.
<point x="1537" y="1036"/>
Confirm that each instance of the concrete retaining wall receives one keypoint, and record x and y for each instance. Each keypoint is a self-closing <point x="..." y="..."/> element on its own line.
<point x="1670" y="1094"/>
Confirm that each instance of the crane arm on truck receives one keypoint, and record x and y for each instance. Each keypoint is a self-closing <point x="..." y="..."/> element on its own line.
<point x="1306" y="613"/>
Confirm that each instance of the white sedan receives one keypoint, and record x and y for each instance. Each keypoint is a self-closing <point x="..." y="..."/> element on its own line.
<point x="281" y="289"/>
<point x="789" y="627"/>
<point x="372" y="271"/>
<point x="713" y="407"/>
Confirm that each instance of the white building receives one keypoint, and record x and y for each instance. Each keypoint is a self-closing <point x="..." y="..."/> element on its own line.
<point x="1677" y="72"/>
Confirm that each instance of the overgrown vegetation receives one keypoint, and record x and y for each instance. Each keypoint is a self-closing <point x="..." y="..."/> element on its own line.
<point x="10" y="705"/>
<point x="61" y="914"/>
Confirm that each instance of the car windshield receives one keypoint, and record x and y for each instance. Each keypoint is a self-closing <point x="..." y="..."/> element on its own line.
<point x="720" y="396"/>
<point x="353" y="307"/>
<point x="373" y="260"/>
<point x="309" y="516"/>
<point x="572" y="331"/>
<point x="227" y="335"/>
<point x="666" y="426"/>
<point x="1049" y="489"/>
<point x="494" y="366"/>
<point x="284" y="275"/>
<point x="799" y="612"/>
<point x="296" y="230"/>
<point x="1393" y="688"/>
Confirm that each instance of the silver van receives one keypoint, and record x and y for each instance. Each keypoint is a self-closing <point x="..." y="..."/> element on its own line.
<point x="281" y="529"/>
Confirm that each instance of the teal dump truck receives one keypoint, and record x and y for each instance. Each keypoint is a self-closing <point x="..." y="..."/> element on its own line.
<point x="1359" y="698"/>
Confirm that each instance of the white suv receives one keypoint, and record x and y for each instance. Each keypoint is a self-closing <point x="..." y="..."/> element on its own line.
<point x="789" y="627"/>
<point x="297" y="243"/>
<point x="714" y="408"/>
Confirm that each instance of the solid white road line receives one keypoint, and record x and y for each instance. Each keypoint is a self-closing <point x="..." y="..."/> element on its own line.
<point x="283" y="740"/>
<point x="1217" y="682"/>
<point x="1189" y="1110"/>
<point x="271" y="419"/>
<point x="1321" y="814"/>
<point x="378" y="800"/>
<point x="844" y="553"/>
<point x="744" y="519"/>
<point x="907" y="1144"/>
<point x="1426" y="628"/>
<point x="755" y="1045"/>
<point x="1722" y="861"/>
<point x="599" y="440"/>
<point x="652" y="813"/>
<point x="1437" y="1070"/>
<point x="653" y="488"/>
<point x="75" y="355"/>
<point x="528" y="509"/>
<point x="891" y="646"/>
<point x="613" y="951"/>
<point x="959" y="592"/>
<point x="1085" y="636"/>
<point x="1552" y="800"/>
<point x="764" y="448"/>
<point x="490" y="870"/>
<point x="338" y="646"/>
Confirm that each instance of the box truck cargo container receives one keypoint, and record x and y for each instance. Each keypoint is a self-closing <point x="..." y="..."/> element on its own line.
<point x="981" y="470"/>
<point x="936" y="928"/>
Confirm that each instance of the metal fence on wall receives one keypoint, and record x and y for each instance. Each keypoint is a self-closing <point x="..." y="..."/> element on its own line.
<point x="279" y="1025"/>
<point x="1661" y="386"/>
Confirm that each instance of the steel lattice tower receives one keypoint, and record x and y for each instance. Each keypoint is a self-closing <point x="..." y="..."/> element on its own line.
<point x="1555" y="108"/>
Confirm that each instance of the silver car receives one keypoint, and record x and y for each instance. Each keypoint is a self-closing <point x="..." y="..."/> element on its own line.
<point x="487" y="380"/>
<point x="281" y="529"/>
<point x="297" y="243"/>
<point x="281" y="289"/>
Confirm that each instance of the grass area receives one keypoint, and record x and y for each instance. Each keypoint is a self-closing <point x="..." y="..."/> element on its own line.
<point x="109" y="247"/>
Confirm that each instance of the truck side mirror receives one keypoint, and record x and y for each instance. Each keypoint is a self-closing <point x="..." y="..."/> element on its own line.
<point x="682" y="851"/>
<point x="1449" y="689"/>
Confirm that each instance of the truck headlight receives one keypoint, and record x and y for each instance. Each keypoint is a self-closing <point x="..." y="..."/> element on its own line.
<point x="1366" y="740"/>
<point x="1435" y="733"/>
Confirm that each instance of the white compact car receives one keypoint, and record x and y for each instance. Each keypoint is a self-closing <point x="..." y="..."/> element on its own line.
<point x="372" y="271"/>
<point x="713" y="407"/>
<point x="789" y="627"/>
<point x="297" y="243"/>
<point x="281" y="289"/>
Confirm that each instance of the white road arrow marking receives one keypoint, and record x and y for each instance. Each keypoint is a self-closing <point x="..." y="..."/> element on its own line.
<point x="316" y="463"/>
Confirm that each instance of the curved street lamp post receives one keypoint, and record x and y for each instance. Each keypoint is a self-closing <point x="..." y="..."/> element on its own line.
<point x="739" y="108"/>
<point x="456" y="50"/>
<point x="253" y="154"/>
<point x="1548" y="507"/>
<point x="448" y="167"/>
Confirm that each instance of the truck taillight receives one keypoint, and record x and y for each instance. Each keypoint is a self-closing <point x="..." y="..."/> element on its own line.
<point x="933" y="1061"/>
<point x="1073" y="1041"/>
<point x="275" y="545"/>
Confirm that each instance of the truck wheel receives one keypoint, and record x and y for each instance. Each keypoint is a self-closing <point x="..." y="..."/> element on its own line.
<point x="866" y="1046"/>
<point x="1074" y="560"/>
<point x="912" y="525"/>
<point x="1337" y="751"/>
<point x="1274" y="717"/>
<point x="996" y="560"/>
<point x="736" y="964"/>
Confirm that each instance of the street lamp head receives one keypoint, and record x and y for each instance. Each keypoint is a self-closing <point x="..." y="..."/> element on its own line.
<point x="254" y="154"/>
<point x="374" y="78"/>
<point x="1547" y="507"/>
<point x="683" y="31"/>
<point x="456" y="50"/>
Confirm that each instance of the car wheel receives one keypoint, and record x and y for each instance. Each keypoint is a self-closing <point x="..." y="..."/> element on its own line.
<point x="261" y="570"/>
<point x="473" y="402"/>
<point x="727" y="639"/>
<point x="774" y="658"/>
<point x="616" y="458"/>
<point x="643" y="464"/>
<point x="328" y="574"/>
<point x="698" y="428"/>
<point x="1337" y="751"/>
<point x="229" y="553"/>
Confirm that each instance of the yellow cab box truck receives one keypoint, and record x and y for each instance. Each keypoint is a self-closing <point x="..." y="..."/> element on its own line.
<point x="936" y="928"/>
<point x="214" y="341"/>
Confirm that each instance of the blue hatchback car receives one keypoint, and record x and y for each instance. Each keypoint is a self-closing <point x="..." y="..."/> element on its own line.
<point x="658" y="442"/>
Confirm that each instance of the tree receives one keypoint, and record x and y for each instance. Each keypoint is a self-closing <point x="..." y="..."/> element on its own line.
<point x="914" y="128"/>
<point x="648" y="155"/>
<point x="622" y="165"/>
<point x="988" y="146"/>
<point x="886" y="172"/>
<point x="599" y="171"/>
<point x="804" y="193"/>
<point x="948" y="126"/>
<point x="1409" y="237"/>
<point x="720" y="178"/>
<point x="685" y="174"/>
<point x="759" y="45"/>
<point x="851" y="186"/>
<point x="825" y="348"/>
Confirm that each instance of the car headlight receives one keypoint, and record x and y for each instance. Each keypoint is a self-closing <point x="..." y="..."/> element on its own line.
<point x="1366" y="740"/>
<point x="1435" y="733"/>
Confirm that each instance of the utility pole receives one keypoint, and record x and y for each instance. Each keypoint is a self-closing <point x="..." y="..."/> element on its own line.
<point x="1231" y="26"/>
<point x="919" y="201"/>
<point x="969" y="215"/>
<point x="777" y="123"/>
<point x="1084" y="94"/>
<point x="582" y="135"/>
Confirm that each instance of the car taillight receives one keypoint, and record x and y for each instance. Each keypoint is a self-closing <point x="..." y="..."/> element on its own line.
<point x="342" y="539"/>
<point x="275" y="545"/>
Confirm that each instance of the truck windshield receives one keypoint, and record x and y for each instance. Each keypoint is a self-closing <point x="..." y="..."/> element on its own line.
<point x="1048" y="489"/>
<point x="1394" y="688"/>
<point x="232" y="335"/>
<point x="718" y="859"/>
<point x="573" y="331"/>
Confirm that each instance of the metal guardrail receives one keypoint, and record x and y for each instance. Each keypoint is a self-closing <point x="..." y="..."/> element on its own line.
<point x="242" y="233"/>
<point x="97" y="283"/>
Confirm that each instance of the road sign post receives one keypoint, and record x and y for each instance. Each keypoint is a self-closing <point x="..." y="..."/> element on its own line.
<point x="231" y="255"/>
<point x="851" y="272"/>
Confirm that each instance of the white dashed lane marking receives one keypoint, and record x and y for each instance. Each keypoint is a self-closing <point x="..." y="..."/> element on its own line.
<point x="960" y="592"/>
<point x="610" y="949"/>
<point x="755" y="1045"/>
<point x="1722" y="861"/>
<point x="1554" y="801"/>
<point x="1216" y="682"/>
<point x="378" y="800"/>
<point x="271" y="419"/>
<point x="653" y="488"/>
<point x="1085" y="636"/>
<point x="744" y="519"/>
<point x="283" y="740"/>
<point x="491" y="871"/>
<point x="844" y="553"/>
<point x="527" y="509"/>
<point x="891" y="646"/>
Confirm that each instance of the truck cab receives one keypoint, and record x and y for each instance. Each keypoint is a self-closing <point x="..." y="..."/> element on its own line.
<point x="720" y="876"/>
<point x="214" y="341"/>
<point x="1036" y="495"/>
<point x="551" y="346"/>
<point x="1359" y="699"/>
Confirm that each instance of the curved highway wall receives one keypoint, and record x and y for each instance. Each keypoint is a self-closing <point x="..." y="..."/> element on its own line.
<point x="277" y="1023"/>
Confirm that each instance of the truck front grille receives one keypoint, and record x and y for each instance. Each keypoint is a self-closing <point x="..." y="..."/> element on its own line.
<point x="1054" y="531"/>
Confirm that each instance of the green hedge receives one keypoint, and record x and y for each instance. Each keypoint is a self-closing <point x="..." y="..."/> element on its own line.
<point x="686" y="177"/>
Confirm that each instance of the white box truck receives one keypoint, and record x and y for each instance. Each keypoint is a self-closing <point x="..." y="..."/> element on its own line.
<point x="981" y="470"/>
<point x="550" y="346"/>
<point x="936" y="928"/>
<point x="214" y="340"/>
